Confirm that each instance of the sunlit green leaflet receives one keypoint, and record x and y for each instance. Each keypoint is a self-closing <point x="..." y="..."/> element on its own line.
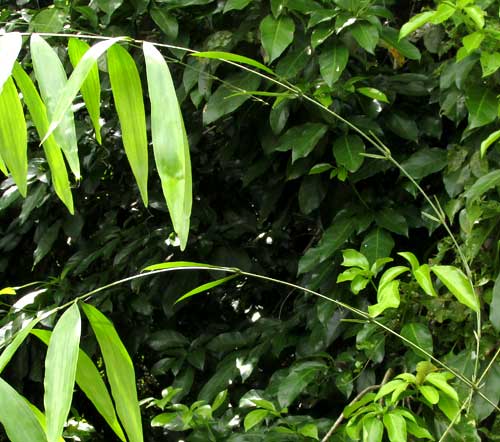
<point x="53" y="153"/>
<point x="90" y="381"/>
<point x="60" y="371"/>
<point x="10" y="46"/>
<point x="51" y="78"/>
<point x="120" y="372"/>
<point x="127" y="93"/>
<point x="13" y="135"/>
<point x="170" y="142"/>
<point x="19" y="422"/>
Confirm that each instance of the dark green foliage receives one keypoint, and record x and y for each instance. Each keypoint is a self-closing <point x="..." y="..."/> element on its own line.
<point x="280" y="188"/>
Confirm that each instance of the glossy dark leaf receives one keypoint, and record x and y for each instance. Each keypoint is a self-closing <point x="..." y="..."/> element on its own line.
<point x="165" y="21"/>
<point x="392" y="220"/>
<point x="165" y="339"/>
<point x="366" y="35"/>
<point x="235" y="5"/>
<point x="223" y="101"/>
<point x="420" y="335"/>
<point x="377" y="244"/>
<point x="333" y="238"/>
<point x="424" y="162"/>
<point x="404" y="47"/>
<point x="276" y="35"/>
<point x="301" y="140"/>
<point x="298" y="378"/>
<point x="332" y="62"/>
<point x="482" y="105"/>
<point x="483" y="184"/>
<point x="403" y="126"/>
<point x="347" y="151"/>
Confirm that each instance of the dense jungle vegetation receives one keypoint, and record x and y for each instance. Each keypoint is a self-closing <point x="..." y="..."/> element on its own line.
<point x="319" y="180"/>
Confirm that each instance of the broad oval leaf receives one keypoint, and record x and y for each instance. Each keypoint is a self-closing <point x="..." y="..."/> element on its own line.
<point x="396" y="427"/>
<point x="301" y="140"/>
<point x="482" y="105"/>
<point x="392" y="220"/>
<point x="10" y="46"/>
<point x="420" y="335"/>
<point x="299" y="377"/>
<point x="371" y="92"/>
<point x="254" y="418"/>
<point x="392" y="273"/>
<point x="13" y="135"/>
<point x="60" y="371"/>
<point x="458" y="284"/>
<point x="120" y="372"/>
<point x="387" y="297"/>
<point x="439" y="381"/>
<point x="165" y="21"/>
<point x="418" y="431"/>
<point x="416" y="22"/>
<point x="52" y="150"/>
<point x="477" y="14"/>
<point x="276" y="35"/>
<point x="51" y="78"/>
<point x="483" y="184"/>
<point x="366" y="35"/>
<point x="17" y="418"/>
<point x="373" y="430"/>
<point x="403" y="46"/>
<point x="353" y="258"/>
<point x="423" y="276"/>
<point x="429" y="393"/>
<point x="389" y="387"/>
<point x="347" y="151"/>
<point x="236" y="5"/>
<point x="472" y="41"/>
<point x="332" y="63"/>
<point x="90" y="381"/>
<point x="224" y="101"/>
<point x="411" y="258"/>
<point x="333" y="238"/>
<point x="377" y="244"/>
<point x="490" y="62"/>
<point x="127" y="94"/>
<point x="170" y="144"/>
